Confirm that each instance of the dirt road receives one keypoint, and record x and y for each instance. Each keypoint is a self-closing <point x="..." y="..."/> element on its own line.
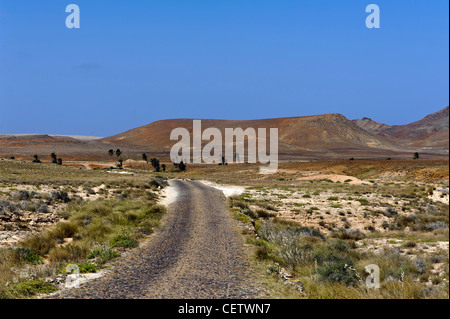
<point x="196" y="253"/>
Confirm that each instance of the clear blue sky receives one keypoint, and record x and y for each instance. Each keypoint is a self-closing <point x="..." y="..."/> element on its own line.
<point x="134" y="62"/>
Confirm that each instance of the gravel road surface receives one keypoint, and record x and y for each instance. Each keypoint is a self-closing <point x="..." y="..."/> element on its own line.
<point x="196" y="253"/>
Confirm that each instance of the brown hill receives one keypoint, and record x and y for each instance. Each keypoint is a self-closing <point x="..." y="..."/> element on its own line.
<point x="430" y="133"/>
<point x="329" y="134"/>
<point x="24" y="146"/>
<point x="370" y="125"/>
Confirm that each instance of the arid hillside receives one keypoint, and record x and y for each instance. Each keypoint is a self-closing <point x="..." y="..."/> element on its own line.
<point x="430" y="133"/>
<point x="329" y="136"/>
<point x="323" y="135"/>
<point x="70" y="148"/>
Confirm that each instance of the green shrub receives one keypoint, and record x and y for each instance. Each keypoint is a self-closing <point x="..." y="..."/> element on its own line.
<point x="123" y="240"/>
<point x="340" y="270"/>
<point x="103" y="253"/>
<point x="351" y="234"/>
<point x="362" y="201"/>
<point x="262" y="253"/>
<point x="87" y="267"/>
<point x="40" y="243"/>
<point x="242" y="218"/>
<point x="30" y="288"/>
<point x="262" y="213"/>
<point x="28" y="256"/>
<point x="64" y="230"/>
<point x="70" y="253"/>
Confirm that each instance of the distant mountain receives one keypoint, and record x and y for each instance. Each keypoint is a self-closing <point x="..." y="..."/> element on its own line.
<point x="321" y="134"/>
<point x="430" y="133"/>
<point x="329" y="136"/>
<point x="70" y="147"/>
<point x="370" y="125"/>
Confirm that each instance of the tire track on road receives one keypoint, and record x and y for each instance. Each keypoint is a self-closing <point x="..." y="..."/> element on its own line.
<point x="196" y="253"/>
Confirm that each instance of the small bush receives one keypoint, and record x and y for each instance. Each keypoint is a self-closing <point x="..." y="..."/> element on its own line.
<point x="103" y="253"/>
<point x="405" y="221"/>
<point x="421" y="265"/>
<point x="69" y="253"/>
<point x="390" y="212"/>
<point x="261" y="213"/>
<point x="340" y="270"/>
<point x="21" y="195"/>
<point x="410" y="244"/>
<point x="262" y="253"/>
<point x="158" y="182"/>
<point x="39" y="243"/>
<point x="60" y="196"/>
<point x="123" y="240"/>
<point x="87" y="267"/>
<point x="42" y="208"/>
<point x="28" y="256"/>
<point x="362" y="201"/>
<point x="30" y="288"/>
<point x="352" y="234"/>
<point x="64" y="230"/>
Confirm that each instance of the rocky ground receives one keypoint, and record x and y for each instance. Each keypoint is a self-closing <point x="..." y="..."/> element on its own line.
<point x="26" y="209"/>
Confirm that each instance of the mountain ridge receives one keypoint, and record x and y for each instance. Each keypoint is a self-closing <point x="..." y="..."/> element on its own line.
<point x="431" y="132"/>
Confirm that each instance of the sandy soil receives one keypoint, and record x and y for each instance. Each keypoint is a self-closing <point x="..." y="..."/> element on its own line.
<point x="228" y="190"/>
<point x="440" y="196"/>
<point x="168" y="194"/>
<point x="334" y="177"/>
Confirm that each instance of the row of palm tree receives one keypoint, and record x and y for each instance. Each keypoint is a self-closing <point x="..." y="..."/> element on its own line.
<point x="55" y="159"/>
<point x="152" y="161"/>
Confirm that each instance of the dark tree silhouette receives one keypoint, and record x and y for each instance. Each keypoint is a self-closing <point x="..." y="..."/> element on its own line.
<point x="54" y="159"/>
<point x="59" y="161"/>
<point x="36" y="159"/>
<point x="163" y="167"/>
<point x="111" y="152"/>
<point x="145" y="158"/>
<point x="118" y="152"/>
<point x="155" y="164"/>
<point x="416" y="155"/>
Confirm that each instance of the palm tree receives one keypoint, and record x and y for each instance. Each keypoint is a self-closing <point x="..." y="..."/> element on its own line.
<point x="53" y="156"/>
<point x="111" y="152"/>
<point x="155" y="164"/>
<point x="145" y="158"/>
<point x="36" y="159"/>
<point x="118" y="152"/>
<point x="163" y="167"/>
<point x="416" y="155"/>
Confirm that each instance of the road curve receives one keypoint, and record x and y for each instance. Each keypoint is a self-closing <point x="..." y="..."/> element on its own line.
<point x="196" y="253"/>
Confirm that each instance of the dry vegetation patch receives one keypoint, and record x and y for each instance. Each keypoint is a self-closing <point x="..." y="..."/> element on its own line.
<point x="53" y="216"/>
